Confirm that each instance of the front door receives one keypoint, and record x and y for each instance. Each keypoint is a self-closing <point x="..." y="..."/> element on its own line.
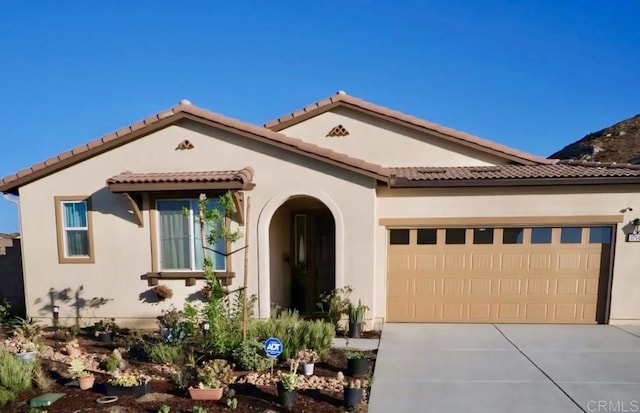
<point x="313" y="258"/>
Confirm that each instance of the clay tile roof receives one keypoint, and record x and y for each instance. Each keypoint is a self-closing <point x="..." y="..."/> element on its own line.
<point x="243" y="176"/>
<point x="342" y="99"/>
<point x="566" y="172"/>
<point x="11" y="183"/>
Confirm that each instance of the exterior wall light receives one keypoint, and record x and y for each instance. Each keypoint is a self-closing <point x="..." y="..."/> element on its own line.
<point x="636" y="226"/>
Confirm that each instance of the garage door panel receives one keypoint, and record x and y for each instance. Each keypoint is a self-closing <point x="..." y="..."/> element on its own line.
<point x="550" y="282"/>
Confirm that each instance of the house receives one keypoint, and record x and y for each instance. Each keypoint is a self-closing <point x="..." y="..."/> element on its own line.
<point x="11" y="287"/>
<point x="428" y="224"/>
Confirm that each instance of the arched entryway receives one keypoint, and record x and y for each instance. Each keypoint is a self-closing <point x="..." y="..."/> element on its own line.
<point x="302" y="251"/>
<point x="272" y="265"/>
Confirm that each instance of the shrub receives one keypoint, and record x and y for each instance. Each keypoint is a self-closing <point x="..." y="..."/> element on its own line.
<point x="250" y="356"/>
<point x="112" y="363"/>
<point x="335" y="303"/>
<point x="162" y="353"/>
<point x="5" y="311"/>
<point x="15" y="377"/>
<point x="41" y="379"/>
<point x="295" y="334"/>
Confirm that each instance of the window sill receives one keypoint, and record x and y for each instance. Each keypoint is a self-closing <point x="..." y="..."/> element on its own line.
<point x="190" y="277"/>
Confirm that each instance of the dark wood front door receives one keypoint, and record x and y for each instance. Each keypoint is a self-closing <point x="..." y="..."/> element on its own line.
<point x="313" y="253"/>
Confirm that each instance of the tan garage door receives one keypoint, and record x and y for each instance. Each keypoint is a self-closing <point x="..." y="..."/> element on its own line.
<point x="521" y="275"/>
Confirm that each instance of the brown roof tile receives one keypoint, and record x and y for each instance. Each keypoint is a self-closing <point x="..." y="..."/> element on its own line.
<point x="12" y="182"/>
<point x="566" y="172"/>
<point x="244" y="176"/>
<point x="450" y="134"/>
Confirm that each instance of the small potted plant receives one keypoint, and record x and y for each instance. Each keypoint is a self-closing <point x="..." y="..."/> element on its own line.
<point x="168" y="321"/>
<point x="213" y="376"/>
<point x="287" y="384"/>
<point x="352" y="391"/>
<point x="164" y="292"/>
<point x="128" y="384"/>
<point x="308" y="358"/>
<point x="356" y="318"/>
<point x="357" y="363"/>
<point x="73" y="348"/>
<point x="105" y="329"/>
<point x="77" y="372"/>
<point x="27" y="351"/>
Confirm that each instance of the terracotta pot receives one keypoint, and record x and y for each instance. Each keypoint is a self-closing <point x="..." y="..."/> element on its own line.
<point x="206" y="394"/>
<point x="86" y="382"/>
<point x="308" y="369"/>
<point x="74" y="352"/>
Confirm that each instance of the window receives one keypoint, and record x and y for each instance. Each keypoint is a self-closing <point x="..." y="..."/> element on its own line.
<point x="455" y="236"/>
<point x="427" y="236"/>
<point x="600" y="235"/>
<point x="512" y="235"/>
<point x="74" y="233"/>
<point x="571" y="235"/>
<point x="541" y="235"/>
<point x="399" y="237"/>
<point x="483" y="235"/>
<point x="180" y="241"/>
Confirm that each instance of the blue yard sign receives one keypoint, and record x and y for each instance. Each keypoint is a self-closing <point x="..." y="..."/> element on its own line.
<point x="273" y="347"/>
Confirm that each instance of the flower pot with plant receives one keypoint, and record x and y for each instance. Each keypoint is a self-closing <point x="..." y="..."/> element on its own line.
<point x="169" y="322"/>
<point x="308" y="358"/>
<point x="73" y="348"/>
<point x="213" y="376"/>
<point x="105" y="329"/>
<point x="77" y="372"/>
<point x="128" y="384"/>
<point x="352" y="391"/>
<point x="26" y="335"/>
<point x="356" y="318"/>
<point x="357" y="363"/>
<point x="164" y="292"/>
<point x="287" y="384"/>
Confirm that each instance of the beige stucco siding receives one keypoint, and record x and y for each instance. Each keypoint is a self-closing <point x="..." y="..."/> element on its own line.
<point x="522" y="202"/>
<point x="122" y="249"/>
<point x="384" y="142"/>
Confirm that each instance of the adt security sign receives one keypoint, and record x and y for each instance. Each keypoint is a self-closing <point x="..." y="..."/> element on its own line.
<point x="273" y="347"/>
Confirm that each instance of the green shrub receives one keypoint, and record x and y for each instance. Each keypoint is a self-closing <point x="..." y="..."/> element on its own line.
<point x="15" y="377"/>
<point x="295" y="334"/>
<point x="112" y="363"/>
<point x="250" y="356"/>
<point x="162" y="353"/>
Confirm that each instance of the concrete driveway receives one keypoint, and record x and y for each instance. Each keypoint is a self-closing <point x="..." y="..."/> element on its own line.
<point x="512" y="368"/>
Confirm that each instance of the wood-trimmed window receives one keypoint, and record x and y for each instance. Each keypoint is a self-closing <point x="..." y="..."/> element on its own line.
<point x="179" y="242"/>
<point x="74" y="229"/>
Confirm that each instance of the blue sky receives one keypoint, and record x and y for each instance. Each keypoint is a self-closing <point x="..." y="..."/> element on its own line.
<point x="534" y="75"/>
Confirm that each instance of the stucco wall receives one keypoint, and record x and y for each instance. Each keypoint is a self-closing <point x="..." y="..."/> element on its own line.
<point x="112" y="286"/>
<point x="384" y="142"/>
<point x="540" y="201"/>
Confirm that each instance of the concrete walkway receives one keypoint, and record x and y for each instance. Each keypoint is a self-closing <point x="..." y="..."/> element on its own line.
<point x="510" y="368"/>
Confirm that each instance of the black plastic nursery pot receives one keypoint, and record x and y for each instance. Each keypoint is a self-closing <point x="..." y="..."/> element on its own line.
<point x="355" y="330"/>
<point x="286" y="398"/>
<point x="104" y="337"/>
<point x="135" y="391"/>
<point x="352" y="397"/>
<point x="357" y="367"/>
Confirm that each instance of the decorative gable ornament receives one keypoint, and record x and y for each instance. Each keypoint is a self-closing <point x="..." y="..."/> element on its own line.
<point x="338" y="131"/>
<point x="184" y="145"/>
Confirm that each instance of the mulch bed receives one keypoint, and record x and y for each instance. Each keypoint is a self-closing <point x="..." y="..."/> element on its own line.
<point x="251" y="398"/>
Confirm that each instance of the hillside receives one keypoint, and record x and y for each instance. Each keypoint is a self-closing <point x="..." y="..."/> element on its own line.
<point x="617" y="143"/>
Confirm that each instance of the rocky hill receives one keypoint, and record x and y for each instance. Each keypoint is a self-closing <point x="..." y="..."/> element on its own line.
<point x="618" y="143"/>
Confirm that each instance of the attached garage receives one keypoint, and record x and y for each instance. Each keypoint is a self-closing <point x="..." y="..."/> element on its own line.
<point x="500" y="271"/>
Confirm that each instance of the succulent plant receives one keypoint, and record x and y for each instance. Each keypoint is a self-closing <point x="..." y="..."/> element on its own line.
<point x="77" y="370"/>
